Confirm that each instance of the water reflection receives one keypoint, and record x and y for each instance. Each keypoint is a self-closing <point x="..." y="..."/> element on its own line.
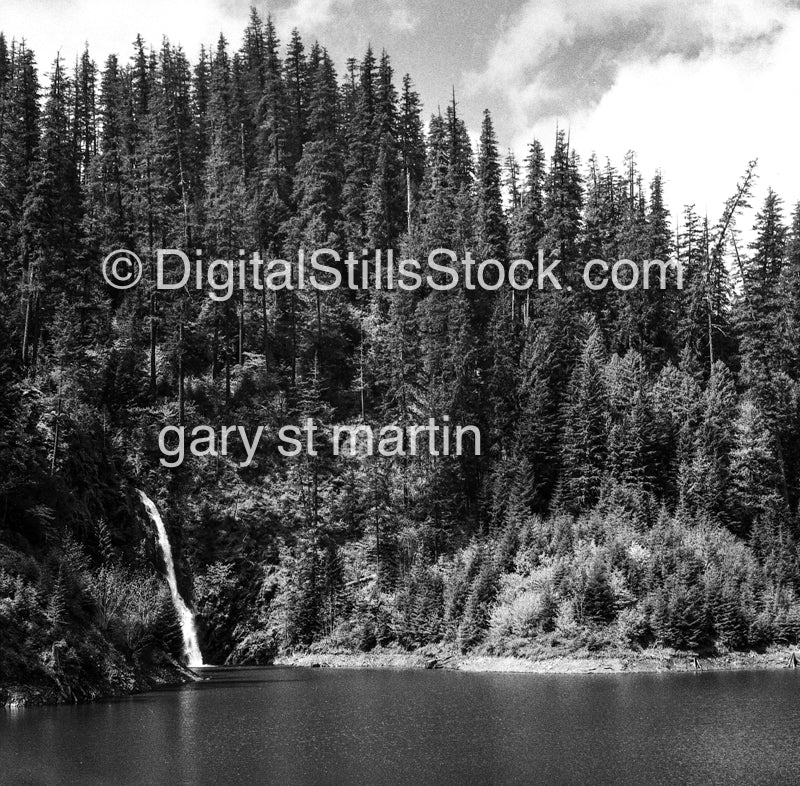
<point x="336" y="726"/>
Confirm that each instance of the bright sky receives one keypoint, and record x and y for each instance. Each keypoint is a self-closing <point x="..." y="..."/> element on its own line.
<point x="697" y="88"/>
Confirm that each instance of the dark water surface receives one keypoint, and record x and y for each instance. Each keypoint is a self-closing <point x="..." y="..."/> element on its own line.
<point x="319" y="726"/>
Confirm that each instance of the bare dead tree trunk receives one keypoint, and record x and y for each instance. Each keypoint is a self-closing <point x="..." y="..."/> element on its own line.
<point x="28" y="295"/>
<point x="36" y="332"/>
<point x="240" y="344"/>
<point x="181" y="397"/>
<point x="294" y="339"/>
<point x="408" y="200"/>
<point x="319" y="319"/>
<point x="227" y="378"/>
<point x="215" y="345"/>
<point x="361" y="370"/>
<point x="153" y="342"/>
<point x="265" y="327"/>
<point x="59" y="409"/>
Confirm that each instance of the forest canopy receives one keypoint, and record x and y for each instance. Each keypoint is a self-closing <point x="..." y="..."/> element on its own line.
<point x="639" y="477"/>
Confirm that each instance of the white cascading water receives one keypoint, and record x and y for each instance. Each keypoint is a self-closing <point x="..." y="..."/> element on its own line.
<point x="191" y="646"/>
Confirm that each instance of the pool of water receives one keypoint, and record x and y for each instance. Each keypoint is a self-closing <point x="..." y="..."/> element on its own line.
<point x="331" y="726"/>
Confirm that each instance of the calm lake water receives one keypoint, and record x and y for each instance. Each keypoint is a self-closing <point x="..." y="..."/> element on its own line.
<point x="319" y="726"/>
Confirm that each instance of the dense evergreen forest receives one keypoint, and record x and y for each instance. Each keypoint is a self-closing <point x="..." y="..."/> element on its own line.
<point x="639" y="480"/>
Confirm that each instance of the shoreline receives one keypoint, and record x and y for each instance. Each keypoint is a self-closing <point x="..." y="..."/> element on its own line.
<point x="13" y="697"/>
<point x="172" y="674"/>
<point x="630" y="663"/>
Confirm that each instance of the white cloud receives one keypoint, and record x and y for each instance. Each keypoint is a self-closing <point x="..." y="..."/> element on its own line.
<point x="402" y="20"/>
<point x="702" y="121"/>
<point x="308" y="16"/>
<point x="696" y="88"/>
<point x="112" y="27"/>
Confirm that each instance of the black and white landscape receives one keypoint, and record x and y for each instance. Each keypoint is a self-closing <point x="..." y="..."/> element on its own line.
<point x="214" y="451"/>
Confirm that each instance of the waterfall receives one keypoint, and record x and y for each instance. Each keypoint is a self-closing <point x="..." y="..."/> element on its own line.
<point x="191" y="647"/>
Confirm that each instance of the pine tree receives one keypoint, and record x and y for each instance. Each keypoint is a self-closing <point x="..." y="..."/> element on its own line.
<point x="563" y="203"/>
<point x="109" y="178"/>
<point x="295" y="79"/>
<point x="754" y="470"/>
<point x="692" y="253"/>
<point x="362" y="153"/>
<point x="271" y="191"/>
<point x="478" y="604"/>
<point x="492" y="233"/>
<point x="19" y="140"/>
<point x="717" y="284"/>
<point x="585" y="430"/>
<point x="631" y="438"/>
<point x="760" y="309"/>
<point x="56" y="612"/>
<point x="52" y="217"/>
<point x="412" y="147"/>
<point x="790" y="305"/>
<point x="707" y="489"/>
<point x="598" y="598"/>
